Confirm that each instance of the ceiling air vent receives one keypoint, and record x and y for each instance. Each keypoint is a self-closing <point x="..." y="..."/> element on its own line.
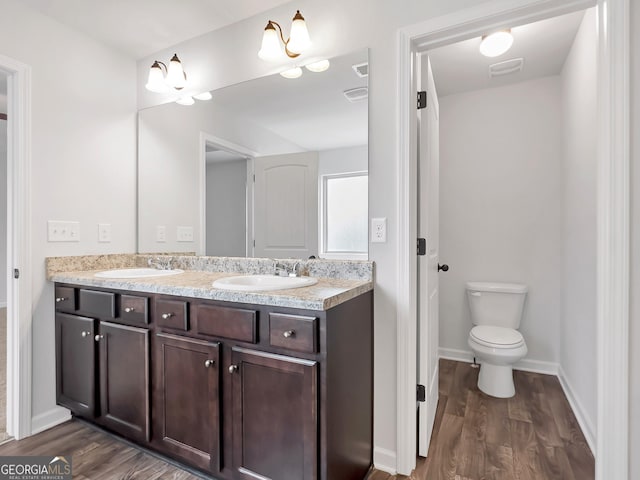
<point x="356" y="94"/>
<point x="361" y="69"/>
<point x="505" y="68"/>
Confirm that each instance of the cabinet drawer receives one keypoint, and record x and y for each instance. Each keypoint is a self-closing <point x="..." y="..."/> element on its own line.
<point x="134" y="309"/>
<point x="98" y="304"/>
<point x="233" y="323"/>
<point x="294" y="332"/>
<point x="65" y="299"/>
<point x="172" y="314"/>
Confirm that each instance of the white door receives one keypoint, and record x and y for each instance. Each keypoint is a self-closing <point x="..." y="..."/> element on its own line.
<point x="286" y="206"/>
<point x="428" y="207"/>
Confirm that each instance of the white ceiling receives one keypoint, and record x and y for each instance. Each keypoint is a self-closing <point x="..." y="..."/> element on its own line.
<point x="544" y="45"/>
<point x="142" y="27"/>
<point x="310" y="111"/>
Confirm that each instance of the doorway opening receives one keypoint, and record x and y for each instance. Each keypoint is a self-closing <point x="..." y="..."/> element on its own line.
<point x="3" y="258"/>
<point x="612" y="205"/>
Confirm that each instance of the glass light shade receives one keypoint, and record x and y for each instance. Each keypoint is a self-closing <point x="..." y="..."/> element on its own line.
<point x="186" y="101"/>
<point x="175" y="74"/>
<point x="495" y="44"/>
<point x="271" y="48"/>
<point x="155" y="82"/>
<point x="299" y="39"/>
<point x="203" y="96"/>
<point x="318" y="67"/>
<point x="292" y="73"/>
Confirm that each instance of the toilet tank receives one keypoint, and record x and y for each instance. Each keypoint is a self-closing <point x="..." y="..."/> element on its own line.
<point x="498" y="304"/>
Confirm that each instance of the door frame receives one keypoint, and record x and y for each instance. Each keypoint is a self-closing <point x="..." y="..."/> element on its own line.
<point x="19" y="301"/>
<point x="613" y="206"/>
<point x="202" y="173"/>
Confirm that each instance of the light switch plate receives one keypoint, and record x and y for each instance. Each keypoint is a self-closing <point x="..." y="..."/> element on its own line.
<point x="61" y="231"/>
<point x="104" y="232"/>
<point x="378" y="230"/>
<point x="184" y="234"/>
<point x="161" y="234"/>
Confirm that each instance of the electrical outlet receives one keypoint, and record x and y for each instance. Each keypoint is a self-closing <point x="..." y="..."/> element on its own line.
<point x="184" y="234"/>
<point x="104" y="232"/>
<point x="58" y="231"/>
<point x="378" y="230"/>
<point x="161" y="233"/>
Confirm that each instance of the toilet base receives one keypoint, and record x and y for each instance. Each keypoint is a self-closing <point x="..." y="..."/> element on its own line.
<point x="496" y="380"/>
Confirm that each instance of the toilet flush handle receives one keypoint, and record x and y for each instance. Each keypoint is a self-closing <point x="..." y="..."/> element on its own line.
<point x="444" y="267"/>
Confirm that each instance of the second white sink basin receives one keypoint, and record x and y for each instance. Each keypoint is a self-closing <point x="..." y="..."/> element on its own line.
<point x="261" y="283"/>
<point x="137" y="273"/>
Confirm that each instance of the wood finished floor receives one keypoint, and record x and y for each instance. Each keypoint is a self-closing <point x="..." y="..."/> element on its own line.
<point x="532" y="436"/>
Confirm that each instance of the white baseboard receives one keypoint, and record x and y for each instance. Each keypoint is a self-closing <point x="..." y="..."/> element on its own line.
<point x="383" y="459"/>
<point x="526" y="365"/>
<point x="49" y="419"/>
<point x="586" y="424"/>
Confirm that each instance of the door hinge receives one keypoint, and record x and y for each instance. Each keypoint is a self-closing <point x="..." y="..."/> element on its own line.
<point x="421" y="393"/>
<point x="422" y="100"/>
<point x="254" y="178"/>
<point x="16" y="273"/>
<point x="254" y="243"/>
<point x="422" y="246"/>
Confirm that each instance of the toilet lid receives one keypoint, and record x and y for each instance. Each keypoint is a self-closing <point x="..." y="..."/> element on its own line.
<point x="497" y="337"/>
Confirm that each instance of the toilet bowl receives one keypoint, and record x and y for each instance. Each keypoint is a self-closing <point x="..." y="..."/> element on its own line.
<point x="496" y="311"/>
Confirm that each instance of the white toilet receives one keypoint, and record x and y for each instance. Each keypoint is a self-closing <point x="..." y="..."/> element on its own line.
<point x="496" y="311"/>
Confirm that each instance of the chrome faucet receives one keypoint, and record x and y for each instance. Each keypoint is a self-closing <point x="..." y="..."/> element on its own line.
<point x="283" y="270"/>
<point x="160" y="263"/>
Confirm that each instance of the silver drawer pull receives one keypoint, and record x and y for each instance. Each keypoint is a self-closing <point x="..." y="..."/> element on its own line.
<point x="209" y="363"/>
<point x="85" y="334"/>
<point x="129" y="309"/>
<point x="166" y="316"/>
<point x="289" y="333"/>
<point x="233" y="368"/>
<point x="98" y="337"/>
<point x="61" y="299"/>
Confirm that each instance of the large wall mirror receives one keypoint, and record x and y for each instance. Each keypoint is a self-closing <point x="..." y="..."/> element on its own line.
<point x="272" y="167"/>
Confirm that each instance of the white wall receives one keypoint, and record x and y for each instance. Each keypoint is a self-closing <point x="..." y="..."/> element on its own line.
<point x="634" y="337"/>
<point x="226" y="208"/>
<point x="169" y="166"/>
<point x="500" y="192"/>
<point x="83" y="148"/>
<point x="343" y="160"/>
<point x="578" y="357"/>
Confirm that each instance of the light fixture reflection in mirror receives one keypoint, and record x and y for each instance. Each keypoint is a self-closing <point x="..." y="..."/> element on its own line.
<point x="267" y="148"/>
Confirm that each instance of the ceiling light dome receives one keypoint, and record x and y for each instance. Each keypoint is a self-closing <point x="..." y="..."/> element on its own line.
<point x="497" y="43"/>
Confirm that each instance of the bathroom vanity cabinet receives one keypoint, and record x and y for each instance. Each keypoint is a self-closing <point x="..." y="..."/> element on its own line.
<point x="237" y="390"/>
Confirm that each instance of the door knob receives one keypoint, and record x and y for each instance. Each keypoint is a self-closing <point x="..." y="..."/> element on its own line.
<point x="233" y="369"/>
<point x="98" y="337"/>
<point x="209" y="363"/>
<point x="128" y="309"/>
<point x="86" y="334"/>
<point x="444" y="267"/>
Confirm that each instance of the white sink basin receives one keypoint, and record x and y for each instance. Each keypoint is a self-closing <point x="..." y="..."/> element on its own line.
<point x="137" y="273"/>
<point x="261" y="283"/>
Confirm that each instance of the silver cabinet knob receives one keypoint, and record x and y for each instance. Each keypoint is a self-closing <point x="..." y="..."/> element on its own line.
<point x="167" y="315"/>
<point x="289" y="333"/>
<point x="85" y="334"/>
<point x="128" y="309"/>
<point x="209" y="363"/>
<point x="233" y="368"/>
<point x="61" y="299"/>
<point x="98" y="337"/>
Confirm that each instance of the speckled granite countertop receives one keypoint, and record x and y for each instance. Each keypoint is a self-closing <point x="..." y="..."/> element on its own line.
<point x="327" y="293"/>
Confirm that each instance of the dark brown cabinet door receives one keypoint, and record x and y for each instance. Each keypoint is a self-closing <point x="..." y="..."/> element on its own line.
<point x="187" y="407"/>
<point x="124" y="379"/>
<point x="75" y="364"/>
<point x="275" y="416"/>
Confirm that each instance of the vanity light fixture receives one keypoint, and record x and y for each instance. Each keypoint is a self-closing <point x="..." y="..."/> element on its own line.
<point x="203" y="96"/>
<point x="496" y="43"/>
<point x="297" y="43"/>
<point x="186" y="101"/>
<point x="162" y="78"/>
